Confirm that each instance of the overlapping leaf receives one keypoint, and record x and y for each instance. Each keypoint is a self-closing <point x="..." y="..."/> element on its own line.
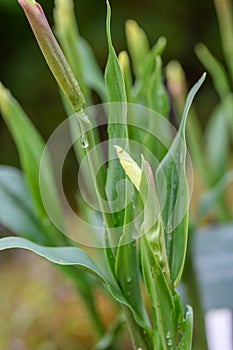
<point x="30" y="147"/>
<point x="70" y="256"/>
<point x="171" y="179"/>
<point x="18" y="212"/>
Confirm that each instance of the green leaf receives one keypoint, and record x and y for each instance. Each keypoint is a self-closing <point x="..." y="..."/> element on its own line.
<point x="218" y="138"/>
<point x="210" y="199"/>
<point x="171" y="181"/>
<point x="177" y="85"/>
<point x="224" y="13"/>
<point x="92" y="72"/>
<point x="160" y="295"/>
<point x="187" y="330"/>
<point x="70" y="256"/>
<point x="126" y="71"/>
<point x="138" y="45"/>
<point x="18" y="214"/>
<point x="78" y="51"/>
<point x="216" y="70"/>
<point x="31" y="146"/>
<point x="58" y="255"/>
<point x="142" y="82"/>
<point x="127" y="272"/>
<point x="127" y="269"/>
<point x="117" y="130"/>
<point x="17" y="208"/>
<point x="113" y="74"/>
<point x="157" y="95"/>
<point x="67" y="31"/>
<point x="143" y="180"/>
<point x="152" y="225"/>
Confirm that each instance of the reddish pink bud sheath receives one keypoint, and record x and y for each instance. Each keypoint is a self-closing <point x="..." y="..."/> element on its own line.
<point x="53" y="53"/>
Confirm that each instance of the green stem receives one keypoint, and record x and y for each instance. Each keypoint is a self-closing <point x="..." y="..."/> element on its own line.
<point x="224" y="13"/>
<point x="139" y="336"/>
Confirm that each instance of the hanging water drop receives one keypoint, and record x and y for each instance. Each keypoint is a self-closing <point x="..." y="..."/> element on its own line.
<point x="129" y="279"/>
<point x="84" y="142"/>
<point x="168" y="335"/>
<point x="169" y="342"/>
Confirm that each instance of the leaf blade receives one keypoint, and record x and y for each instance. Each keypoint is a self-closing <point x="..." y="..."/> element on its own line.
<point x="160" y="295"/>
<point x="17" y="208"/>
<point x="171" y="180"/>
<point x="68" y="256"/>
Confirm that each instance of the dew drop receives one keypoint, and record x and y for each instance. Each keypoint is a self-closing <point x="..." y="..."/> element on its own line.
<point x="169" y="236"/>
<point x="164" y="269"/>
<point x="154" y="272"/>
<point x="129" y="279"/>
<point x="169" y="342"/>
<point x="168" y="335"/>
<point x="84" y="142"/>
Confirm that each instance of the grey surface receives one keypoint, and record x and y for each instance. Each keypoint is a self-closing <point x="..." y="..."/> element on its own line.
<point x="213" y="251"/>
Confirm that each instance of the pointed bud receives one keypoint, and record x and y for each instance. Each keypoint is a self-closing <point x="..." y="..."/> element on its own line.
<point x="53" y="53"/>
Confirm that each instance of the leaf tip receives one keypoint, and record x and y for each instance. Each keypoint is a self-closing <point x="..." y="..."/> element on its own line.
<point x="4" y="97"/>
<point x="130" y="167"/>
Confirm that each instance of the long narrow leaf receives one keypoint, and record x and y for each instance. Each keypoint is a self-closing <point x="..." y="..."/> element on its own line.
<point x="67" y="31"/>
<point x="171" y="179"/>
<point x="70" y="256"/>
<point x="216" y="70"/>
<point x="18" y="212"/>
<point x="160" y="295"/>
<point x="31" y="146"/>
<point x="217" y="137"/>
<point x="138" y="46"/>
<point x="126" y="71"/>
<point x="78" y="51"/>
<point x="156" y="93"/>
<point x="127" y="271"/>
<point x="210" y="199"/>
<point x="187" y="329"/>
<point x="117" y="130"/>
<point x="224" y="12"/>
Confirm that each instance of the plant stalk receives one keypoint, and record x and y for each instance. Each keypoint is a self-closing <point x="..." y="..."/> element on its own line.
<point x="140" y="338"/>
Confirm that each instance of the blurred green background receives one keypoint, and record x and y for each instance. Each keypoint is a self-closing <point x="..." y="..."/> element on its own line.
<point x="47" y="302"/>
<point x="23" y="70"/>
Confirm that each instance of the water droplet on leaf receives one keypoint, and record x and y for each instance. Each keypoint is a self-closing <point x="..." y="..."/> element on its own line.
<point x="129" y="279"/>
<point x="168" y="335"/>
<point x="169" y="342"/>
<point x="84" y="142"/>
